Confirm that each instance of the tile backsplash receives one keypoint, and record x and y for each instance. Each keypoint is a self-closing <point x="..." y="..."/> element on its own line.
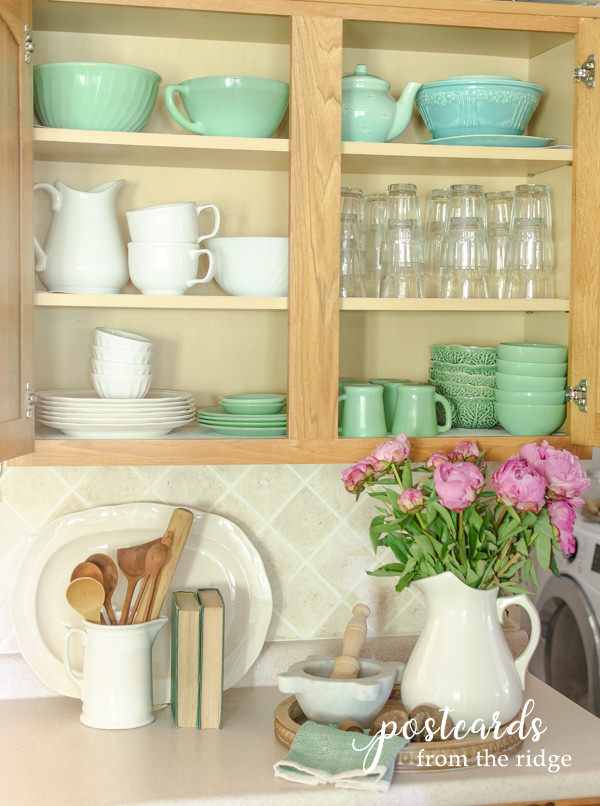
<point x="312" y="535"/>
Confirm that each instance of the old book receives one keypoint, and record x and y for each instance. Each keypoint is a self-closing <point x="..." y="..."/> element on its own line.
<point x="211" y="657"/>
<point x="185" y="658"/>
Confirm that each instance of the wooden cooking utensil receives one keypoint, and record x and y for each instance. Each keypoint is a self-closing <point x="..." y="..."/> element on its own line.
<point x="91" y="571"/>
<point x="110" y="577"/>
<point x="155" y="559"/>
<point x="132" y="562"/>
<point x="178" y="530"/>
<point x="86" y="596"/>
<point x="348" y="665"/>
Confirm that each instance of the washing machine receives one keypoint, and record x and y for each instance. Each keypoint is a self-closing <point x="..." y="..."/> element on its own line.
<point x="568" y="655"/>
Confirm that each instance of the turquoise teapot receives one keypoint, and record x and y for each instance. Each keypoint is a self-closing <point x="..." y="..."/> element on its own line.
<point x="369" y="113"/>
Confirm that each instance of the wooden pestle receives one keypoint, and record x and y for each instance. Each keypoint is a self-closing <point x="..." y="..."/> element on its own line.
<point x="177" y="531"/>
<point x="348" y="665"/>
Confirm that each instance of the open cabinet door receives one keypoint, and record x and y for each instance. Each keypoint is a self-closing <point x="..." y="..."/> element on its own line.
<point x="584" y="316"/>
<point x="16" y="239"/>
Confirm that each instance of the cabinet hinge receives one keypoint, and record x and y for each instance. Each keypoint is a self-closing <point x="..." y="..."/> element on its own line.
<point x="29" y="44"/>
<point x="587" y="72"/>
<point x="578" y="394"/>
<point x="30" y="400"/>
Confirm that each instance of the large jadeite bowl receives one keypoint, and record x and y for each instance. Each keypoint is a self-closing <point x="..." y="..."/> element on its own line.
<point x="234" y="106"/>
<point x="529" y="383"/>
<point x="477" y="105"/>
<point x="94" y="95"/>
<point x="544" y="370"/>
<point x="535" y="398"/>
<point x="529" y="419"/>
<point x="532" y="352"/>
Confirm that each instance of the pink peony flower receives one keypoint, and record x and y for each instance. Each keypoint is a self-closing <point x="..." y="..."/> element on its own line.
<point x="457" y="484"/>
<point x="517" y="484"/>
<point x="564" y="475"/>
<point x="436" y="459"/>
<point x="562" y="517"/>
<point x="394" y="450"/>
<point x="465" y="452"/>
<point x="410" y="500"/>
<point x="355" y="476"/>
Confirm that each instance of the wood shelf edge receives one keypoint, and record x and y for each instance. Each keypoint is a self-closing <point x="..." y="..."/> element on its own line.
<point x="166" y="452"/>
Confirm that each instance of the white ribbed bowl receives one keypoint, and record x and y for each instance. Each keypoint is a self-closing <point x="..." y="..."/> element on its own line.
<point x="251" y="267"/>
<point x="116" y="368"/>
<point x="122" y="356"/>
<point x="121" y="386"/>
<point x="120" y="339"/>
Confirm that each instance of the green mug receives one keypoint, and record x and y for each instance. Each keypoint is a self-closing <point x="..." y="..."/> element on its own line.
<point x="363" y="414"/>
<point x="390" y="389"/>
<point x="415" y="413"/>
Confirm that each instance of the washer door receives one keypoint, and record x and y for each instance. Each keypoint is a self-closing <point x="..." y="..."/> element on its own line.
<point x="568" y="655"/>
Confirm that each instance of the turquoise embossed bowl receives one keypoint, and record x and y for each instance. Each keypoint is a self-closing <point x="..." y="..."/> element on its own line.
<point x="477" y="105"/>
<point x="233" y="106"/>
<point x="94" y="95"/>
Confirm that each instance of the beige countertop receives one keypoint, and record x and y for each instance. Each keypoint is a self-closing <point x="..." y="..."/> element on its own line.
<point x="50" y="759"/>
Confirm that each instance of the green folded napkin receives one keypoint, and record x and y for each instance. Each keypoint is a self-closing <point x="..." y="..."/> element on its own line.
<point x="322" y="754"/>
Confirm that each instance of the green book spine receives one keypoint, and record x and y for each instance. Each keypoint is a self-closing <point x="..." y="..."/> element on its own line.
<point x="174" y="650"/>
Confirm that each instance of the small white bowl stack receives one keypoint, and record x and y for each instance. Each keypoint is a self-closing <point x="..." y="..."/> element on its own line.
<point x="121" y="364"/>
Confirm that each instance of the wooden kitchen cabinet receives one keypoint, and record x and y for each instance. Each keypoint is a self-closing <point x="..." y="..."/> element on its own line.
<point x="290" y="184"/>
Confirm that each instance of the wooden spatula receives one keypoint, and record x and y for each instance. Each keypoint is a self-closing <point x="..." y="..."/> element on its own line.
<point x="348" y="665"/>
<point x="178" y="531"/>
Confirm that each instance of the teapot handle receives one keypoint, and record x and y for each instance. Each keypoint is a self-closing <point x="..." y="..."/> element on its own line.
<point x="522" y="662"/>
<point x="170" y="90"/>
<point x="41" y="258"/>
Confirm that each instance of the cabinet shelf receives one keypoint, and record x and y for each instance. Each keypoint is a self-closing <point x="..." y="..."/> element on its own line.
<point x="160" y="149"/>
<point x="186" y="450"/>
<point x="46" y="299"/>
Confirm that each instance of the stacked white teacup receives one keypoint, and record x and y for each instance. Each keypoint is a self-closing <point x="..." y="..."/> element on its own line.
<point x="163" y="252"/>
<point x="121" y="363"/>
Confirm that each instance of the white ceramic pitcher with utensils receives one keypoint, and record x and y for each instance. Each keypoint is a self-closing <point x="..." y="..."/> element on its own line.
<point x="116" y="684"/>
<point x="84" y="252"/>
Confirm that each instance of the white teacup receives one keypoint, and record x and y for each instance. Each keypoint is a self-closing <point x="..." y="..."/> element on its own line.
<point x="166" y="268"/>
<point x="170" y="223"/>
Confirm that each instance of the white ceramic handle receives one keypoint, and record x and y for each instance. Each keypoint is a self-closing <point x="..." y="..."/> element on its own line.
<point x="211" y="269"/>
<point x="41" y="258"/>
<point x="217" y="223"/>
<point x="522" y="662"/>
<point x="76" y="678"/>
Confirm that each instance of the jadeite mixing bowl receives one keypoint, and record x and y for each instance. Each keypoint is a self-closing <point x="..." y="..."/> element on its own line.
<point x="234" y="106"/>
<point x="530" y="420"/>
<point x="477" y="105"/>
<point x="532" y="352"/>
<point x="94" y="95"/>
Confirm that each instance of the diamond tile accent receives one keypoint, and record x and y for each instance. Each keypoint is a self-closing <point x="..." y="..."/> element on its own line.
<point x="312" y="535"/>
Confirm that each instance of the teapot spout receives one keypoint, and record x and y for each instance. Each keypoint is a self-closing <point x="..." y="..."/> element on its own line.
<point x="404" y="108"/>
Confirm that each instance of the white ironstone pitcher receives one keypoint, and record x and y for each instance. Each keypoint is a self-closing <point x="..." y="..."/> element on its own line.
<point x="84" y="252"/>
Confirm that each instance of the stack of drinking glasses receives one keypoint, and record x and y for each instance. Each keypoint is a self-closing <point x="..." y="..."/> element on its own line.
<point x="402" y="249"/>
<point x="352" y="261"/>
<point x="530" y="255"/>
<point x="464" y="254"/>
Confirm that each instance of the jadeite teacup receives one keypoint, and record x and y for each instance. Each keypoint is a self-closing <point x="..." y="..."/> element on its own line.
<point x="415" y="413"/>
<point x="171" y="223"/>
<point x="233" y="106"/>
<point x="363" y="414"/>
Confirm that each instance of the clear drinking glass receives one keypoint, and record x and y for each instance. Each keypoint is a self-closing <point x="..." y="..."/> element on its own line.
<point x="374" y="233"/>
<point x="530" y="257"/>
<point x="533" y="201"/>
<point x="436" y="214"/>
<point x="352" y="275"/>
<point x="499" y="207"/>
<point x="403" y="203"/>
<point x="498" y="271"/>
<point x="468" y="201"/>
<point x="464" y="262"/>
<point x="353" y="203"/>
<point x="402" y="260"/>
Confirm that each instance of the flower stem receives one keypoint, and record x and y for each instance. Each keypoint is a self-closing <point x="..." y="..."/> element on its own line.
<point x="460" y="538"/>
<point x="397" y="476"/>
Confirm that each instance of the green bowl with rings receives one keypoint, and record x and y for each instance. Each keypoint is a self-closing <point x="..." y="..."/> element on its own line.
<point x="94" y="95"/>
<point x="463" y="354"/>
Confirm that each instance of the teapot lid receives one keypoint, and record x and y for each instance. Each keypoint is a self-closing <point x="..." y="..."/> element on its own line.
<point x="361" y="78"/>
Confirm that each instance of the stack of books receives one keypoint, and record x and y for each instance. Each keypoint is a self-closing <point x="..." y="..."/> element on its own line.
<point x="197" y="641"/>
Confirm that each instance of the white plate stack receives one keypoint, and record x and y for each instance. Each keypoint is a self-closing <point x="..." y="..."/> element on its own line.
<point x="81" y="413"/>
<point x="121" y="364"/>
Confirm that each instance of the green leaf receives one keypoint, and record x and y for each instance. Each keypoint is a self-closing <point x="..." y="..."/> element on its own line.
<point x="543" y="541"/>
<point x="446" y="517"/>
<point x="407" y="476"/>
<point x="404" y="581"/>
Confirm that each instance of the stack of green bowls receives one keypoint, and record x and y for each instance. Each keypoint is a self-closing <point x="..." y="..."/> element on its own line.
<point x="530" y="394"/>
<point x="464" y="375"/>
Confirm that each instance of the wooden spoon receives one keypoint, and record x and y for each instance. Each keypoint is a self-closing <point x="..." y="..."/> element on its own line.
<point x="132" y="562"/>
<point x="110" y="577"/>
<point x="86" y="596"/>
<point x="155" y="559"/>
<point x="348" y="665"/>
<point x="90" y="571"/>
